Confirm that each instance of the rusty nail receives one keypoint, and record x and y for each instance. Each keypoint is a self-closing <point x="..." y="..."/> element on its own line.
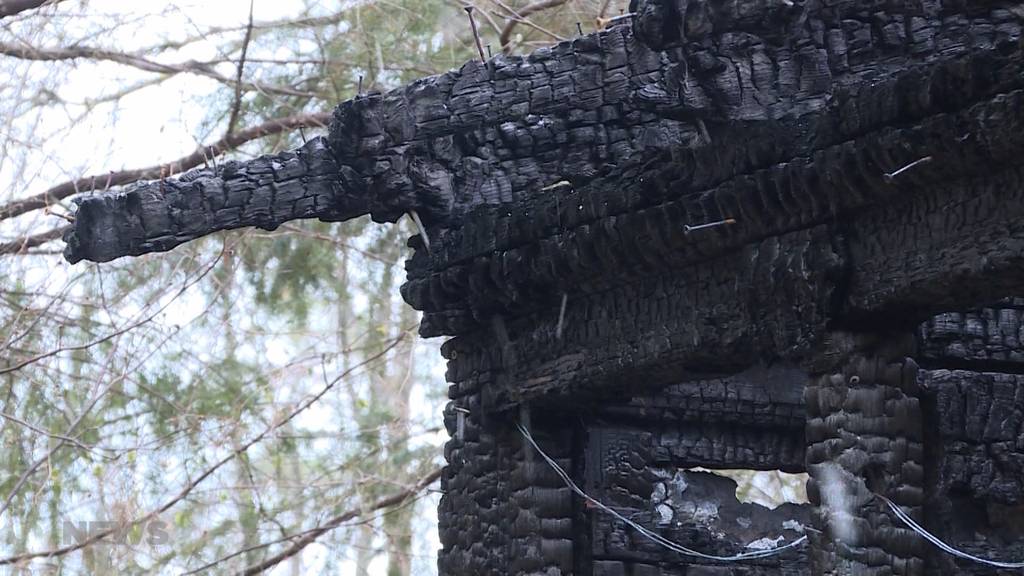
<point x="728" y="221"/>
<point x="579" y="28"/>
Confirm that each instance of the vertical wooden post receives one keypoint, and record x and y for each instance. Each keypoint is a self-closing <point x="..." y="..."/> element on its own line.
<point x="865" y="436"/>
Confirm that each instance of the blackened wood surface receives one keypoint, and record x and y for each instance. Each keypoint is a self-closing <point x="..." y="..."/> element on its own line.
<point x="865" y="435"/>
<point x="639" y="460"/>
<point x="265" y="192"/>
<point x="985" y="339"/>
<point x="975" y="467"/>
<point x="503" y="510"/>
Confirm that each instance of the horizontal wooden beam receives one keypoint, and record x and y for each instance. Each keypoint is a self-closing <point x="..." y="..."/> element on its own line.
<point x="889" y="269"/>
<point x="266" y="192"/>
<point x="527" y="264"/>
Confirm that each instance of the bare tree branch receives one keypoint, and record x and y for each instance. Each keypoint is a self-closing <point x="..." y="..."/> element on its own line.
<point x="53" y="450"/>
<point x="47" y="433"/>
<point x="12" y="7"/>
<point x="520" y="16"/>
<point x="21" y="245"/>
<point x="26" y="52"/>
<point x="396" y="499"/>
<point x="181" y="495"/>
<point x="236" y="109"/>
<point x="197" y="158"/>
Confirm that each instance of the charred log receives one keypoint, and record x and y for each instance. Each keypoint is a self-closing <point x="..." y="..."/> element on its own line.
<point x="865" y="435"/>
<point x="265" y="192"/>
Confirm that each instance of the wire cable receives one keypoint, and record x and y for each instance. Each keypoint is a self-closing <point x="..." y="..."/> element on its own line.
<point x="654" y="537"/>
<point x="903" y="516"/>
<point x="660" y="540"/>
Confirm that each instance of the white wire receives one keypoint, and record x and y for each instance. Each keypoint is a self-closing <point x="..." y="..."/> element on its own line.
<point x="656" y="538"/>
<point x="939" y="543"/>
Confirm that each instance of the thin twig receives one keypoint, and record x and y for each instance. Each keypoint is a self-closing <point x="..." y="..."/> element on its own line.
<point x="237" y="107"/>
<point x="46" y="433"/>
<point x="189" y="67"/>
<point x="521" y="17"/>
<point x="23" y="244"/>
<point x="390" y="501"/>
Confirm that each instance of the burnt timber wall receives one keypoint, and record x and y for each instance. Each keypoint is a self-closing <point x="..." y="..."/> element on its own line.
<point x="784" y="340"/>
<point x="505" y="514"/>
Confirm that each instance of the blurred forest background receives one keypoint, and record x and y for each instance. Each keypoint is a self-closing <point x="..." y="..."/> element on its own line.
<point x="254" y="402"/>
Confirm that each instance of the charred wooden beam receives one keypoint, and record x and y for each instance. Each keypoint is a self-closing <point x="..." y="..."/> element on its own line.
<point x="634" y="170"/>
<point x="265" y="192"/>
<point x="833" y="186"/>
<point x="989" y="339"/>
<point x="974" y="465"/>
<point x="503" y="510"/>
<point x="893" y="267"/>
<point x="865" y="435"/>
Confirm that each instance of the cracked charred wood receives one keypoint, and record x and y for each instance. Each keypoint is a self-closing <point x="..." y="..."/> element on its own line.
<point x="265" y="192"/>
<point x="950" y="245"/>
<point x="800" y="138"/>
<point x="640" y="457"/>
<point x="974" y="465"/>
<point x="988" y="339"/>
<point x="614" y="243"/>
<point x="865" y="434"/>
<point x="973" y="402"/>
<point x="503" y="510"/>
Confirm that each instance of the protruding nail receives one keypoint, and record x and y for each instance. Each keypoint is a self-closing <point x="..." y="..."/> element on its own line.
<point x="892" y="175"/>
<point x="419" y="225"/>
<point x="727" y="222"/>
<point x="561" y="315"/>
